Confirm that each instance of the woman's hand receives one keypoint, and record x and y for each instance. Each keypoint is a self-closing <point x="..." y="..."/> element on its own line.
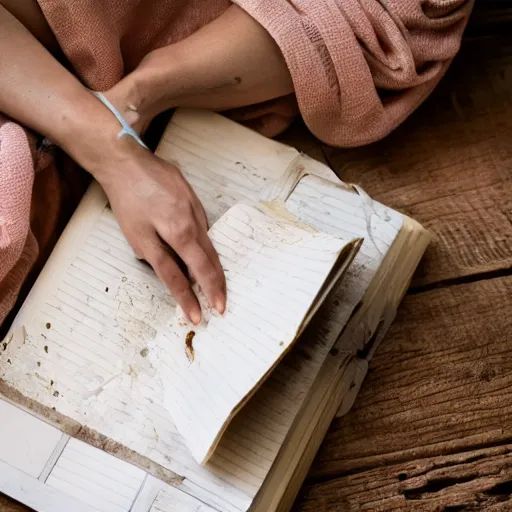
<point x="159" y="214"/>
<point x="155" y="206"/>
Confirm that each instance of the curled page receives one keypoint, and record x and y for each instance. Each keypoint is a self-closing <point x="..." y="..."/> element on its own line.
<point x="275" y="269"/>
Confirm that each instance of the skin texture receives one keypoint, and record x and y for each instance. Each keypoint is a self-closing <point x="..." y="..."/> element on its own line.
<point x="231" y="62"/>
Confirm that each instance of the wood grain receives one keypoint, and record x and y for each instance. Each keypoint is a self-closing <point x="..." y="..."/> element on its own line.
<point x="441" y="382"/>
<point x="9" y="505"/>
<point x="478" y="480"/>
<point x="449" y="166"/>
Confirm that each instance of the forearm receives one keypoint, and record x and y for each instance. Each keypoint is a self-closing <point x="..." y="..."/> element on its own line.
<point x="155" y="206"/>
<point x="230" y="62"/>
<point x="40" y="93"/>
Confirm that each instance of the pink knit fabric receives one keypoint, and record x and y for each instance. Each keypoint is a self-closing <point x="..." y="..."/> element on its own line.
<point x="359" y="67"/>
<point x="18" y="247"/>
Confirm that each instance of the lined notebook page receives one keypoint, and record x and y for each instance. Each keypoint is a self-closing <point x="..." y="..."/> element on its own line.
<point x="86" y="352"/>
<point x="83" y="350"/>
<point x="96" y="478"/>
<point x="274" y="269"/>
<point x="171" y="500"/>
<point x="329" y="208"/>
<point x="227" y="163"/>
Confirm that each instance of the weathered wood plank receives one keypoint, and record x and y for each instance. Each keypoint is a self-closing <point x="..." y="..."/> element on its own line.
<point x="449" y="166"/>
<point x="479" y="480"/>
<point x="9" y="505"/>
<point x="440" y="383"/>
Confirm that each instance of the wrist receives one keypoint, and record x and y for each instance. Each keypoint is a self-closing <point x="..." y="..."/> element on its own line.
<point x="88" y="131"/>
<point x="153" y="87"/>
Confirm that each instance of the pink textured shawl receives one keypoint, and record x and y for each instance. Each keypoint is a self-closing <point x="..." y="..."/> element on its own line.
<point x="359" y="68"/>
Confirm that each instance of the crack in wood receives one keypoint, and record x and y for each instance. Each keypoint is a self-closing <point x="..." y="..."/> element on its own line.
<point x="503" y="490"/>
<point x="465" y="481"/>
<point x="435" y="485"/>
<point x="457" y="281"/>
<point x="406" y="458"/>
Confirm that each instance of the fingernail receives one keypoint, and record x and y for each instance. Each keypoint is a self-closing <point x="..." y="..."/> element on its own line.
<point x="220" y="305"/>
<point x="195" y="316"/>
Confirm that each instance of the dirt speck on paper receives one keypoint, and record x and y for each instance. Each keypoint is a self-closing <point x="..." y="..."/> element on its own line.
<point x="189" y="348"/>
<point x="46" y="348"/>
<point x="144" y="352"/>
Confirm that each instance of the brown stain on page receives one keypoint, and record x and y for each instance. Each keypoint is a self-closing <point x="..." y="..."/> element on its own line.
<point x="189" y="348"/>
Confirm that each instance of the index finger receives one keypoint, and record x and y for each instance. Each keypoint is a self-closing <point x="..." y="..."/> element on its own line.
<point x="203" y="262"/>
<point x="169" y="272"/>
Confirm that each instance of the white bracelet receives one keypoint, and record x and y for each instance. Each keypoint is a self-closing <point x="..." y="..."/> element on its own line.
<point x="126" y="128"/>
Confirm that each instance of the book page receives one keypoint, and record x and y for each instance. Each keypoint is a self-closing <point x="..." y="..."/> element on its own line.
<point x="328" y="207"/>
<point x="275" y="268"/>
<point x="80" y="347"/>
<point x="227" y="163"/>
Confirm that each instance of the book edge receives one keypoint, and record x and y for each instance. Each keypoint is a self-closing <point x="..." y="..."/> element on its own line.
<point x="331" y="385"/>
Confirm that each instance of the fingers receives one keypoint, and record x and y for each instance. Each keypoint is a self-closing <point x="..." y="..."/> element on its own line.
<point x="218" y="279"/>
<point x="195" y="248"/>
<point x="203" y="262"/>
<point x="178" y="226"/>
<point x="219" y="285"/>
<point x="169" y="272"/>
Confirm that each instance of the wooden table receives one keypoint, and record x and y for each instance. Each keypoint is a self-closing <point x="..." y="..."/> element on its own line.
<point x="432" y="427"/>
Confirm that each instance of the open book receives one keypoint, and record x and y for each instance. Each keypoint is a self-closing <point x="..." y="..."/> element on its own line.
<point x="226" y="415"/>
